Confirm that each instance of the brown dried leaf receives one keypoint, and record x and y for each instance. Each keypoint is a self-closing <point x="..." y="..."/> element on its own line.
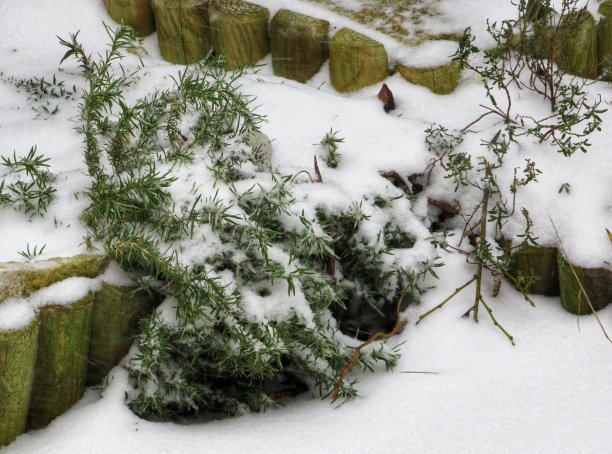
<point x="386" y="96"/>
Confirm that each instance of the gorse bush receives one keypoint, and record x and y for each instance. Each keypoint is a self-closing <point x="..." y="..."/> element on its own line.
<point x="253" y="273"/>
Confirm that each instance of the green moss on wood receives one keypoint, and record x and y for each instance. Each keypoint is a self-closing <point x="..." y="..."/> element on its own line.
<point x="183" y="30"/>
<point x="22" y="279"/>
<point x="17" y="360"/>
<point x="441" y="79"/>
<point x="116" y="315"/>
<point x="356" y="61"/>
<point x="61" y="361"/>
<point x="239" y="31"/>
<point x="576" y="45"/>
<point x="138" y="14"/>
<point x="597" y="283"/>
<point x="299" y="45"/>
<point x="604" y="41"/>
<point x="538" y="266"/>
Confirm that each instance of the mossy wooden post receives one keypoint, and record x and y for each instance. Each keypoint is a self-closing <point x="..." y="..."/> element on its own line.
<point x="239" y="31"/>
<point x="537" y="265"/>
<point x="356" y="61"/>
<point x="22" y="279"/>
<point x="440" y="79"/>
<point x="116" y="315"/>
<point x="61" y="362"/>
<point x="299" y="45"/>
<point x="183" y="30"/>
<point x="138" y="14"/>
<point x="17" y="359"/>
<point x="597" y="283"/>
<point x="604" y="41"/>
<point x="575" y="42"/>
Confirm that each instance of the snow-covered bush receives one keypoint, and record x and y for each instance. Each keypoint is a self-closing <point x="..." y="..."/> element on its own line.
<point x="255" y="275"/>
<point x="478" y="162"/>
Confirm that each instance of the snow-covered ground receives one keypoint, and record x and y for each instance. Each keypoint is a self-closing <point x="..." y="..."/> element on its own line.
<point x="550" y="393"/>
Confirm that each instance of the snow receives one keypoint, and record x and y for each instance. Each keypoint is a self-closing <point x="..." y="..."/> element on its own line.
<point x="64" y="292"/>
<point x="15" y="314"/>
<point x="547" y="394"/>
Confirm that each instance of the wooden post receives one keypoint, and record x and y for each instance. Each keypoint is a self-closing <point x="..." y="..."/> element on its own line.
<point x="604" y="41"/>
<point x="356" y="61"/>
<point x="597" y="282"/>
<point x="116" y="315"/>
<point x="21" y="279"/>
<point x="17" y="359"/>
<point x="576" y="45"/>
<point x="440" y="79"/>
<point x="183" y="30"/>
<point x="61" y="361"/>
<point x="138" y="14"/>
<point x="239" y="31"/>
<point x="538" y="265"/>
<point x="299" y="45"/>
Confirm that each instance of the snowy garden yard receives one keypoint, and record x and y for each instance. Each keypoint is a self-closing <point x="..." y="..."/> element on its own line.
<point x="459" y="386"/>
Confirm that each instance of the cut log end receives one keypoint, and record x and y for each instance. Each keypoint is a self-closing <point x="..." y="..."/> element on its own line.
<point x="239" y="31"/>
<point x="299" y="45"/>
<point x="137" y="14"/>
<point x="356" y="61"/>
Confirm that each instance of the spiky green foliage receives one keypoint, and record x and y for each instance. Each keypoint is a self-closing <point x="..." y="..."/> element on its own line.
<point x="26" y="183"/>
<point x="247" y="271"/>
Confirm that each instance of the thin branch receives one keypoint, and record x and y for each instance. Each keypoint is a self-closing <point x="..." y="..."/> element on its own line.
<point x="439" y="306"/>
<point x="482" y="239"/>
<point x="400" y="323"/>
<point x="495" y="322"/>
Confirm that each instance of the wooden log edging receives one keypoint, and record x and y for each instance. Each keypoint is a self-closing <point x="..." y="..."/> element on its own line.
<point x="604" y="41"/>
<point x="299" y="45"/>
<point x="183" y="30"/>
<point x="239" y="31"/>
<point x="538" y="267"/>
<point x="356" y="61"/>
<point x="61" y="360"/>
<point x="44" y="357"/>
<point x="18" y="347"/>
<point x="117" y="312"/>
<point x="596" y="282"/>
<point x="138" y="14"/>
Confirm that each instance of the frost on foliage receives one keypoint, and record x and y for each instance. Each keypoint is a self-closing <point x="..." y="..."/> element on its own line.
<point x="258" y="271"/>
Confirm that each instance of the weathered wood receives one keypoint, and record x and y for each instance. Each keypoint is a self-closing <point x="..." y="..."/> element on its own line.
<point x="597" y="282"/>
<point x="17" y="360"/>
<point x="116" y="315"/>
<point x="61" y="360"/>
<point x="22" y="279"/>
<point x="239" y="31"/>
<point x="356" y="61"/>
<point x="604" y="41"/>
<point x="575" y="43"/>
<point x="138" y="14"/>
<point x="299" y="45"/>
<point x="440" y="79"/>
<point x="183" y="31"/>
<point x="537" y="265"/>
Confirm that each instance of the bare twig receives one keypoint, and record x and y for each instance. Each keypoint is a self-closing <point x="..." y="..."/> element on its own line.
<point x="400" y="323"/>
<point x="439" y="306"/>
<point x="419" y="372"/>
<point x="495" y="322"/>
<point x="481" y="241"/>
<point x="317" y="171"/>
